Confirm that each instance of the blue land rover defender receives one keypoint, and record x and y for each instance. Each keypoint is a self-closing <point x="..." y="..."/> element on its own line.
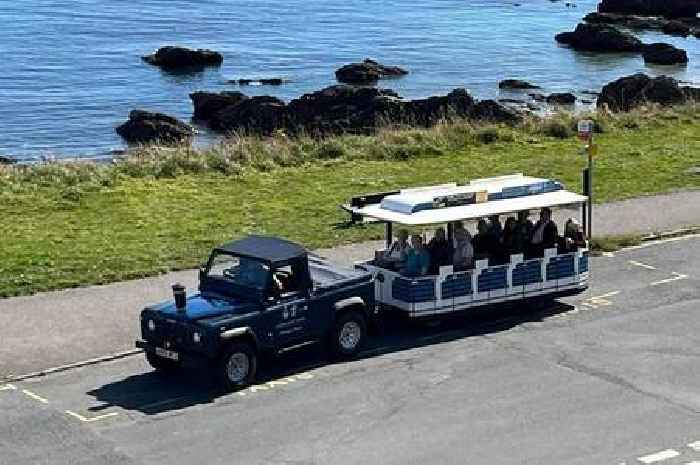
<point x="258" y="294"/>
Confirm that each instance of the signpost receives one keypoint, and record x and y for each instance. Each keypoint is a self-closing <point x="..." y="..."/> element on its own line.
<point x="585" y="133"/>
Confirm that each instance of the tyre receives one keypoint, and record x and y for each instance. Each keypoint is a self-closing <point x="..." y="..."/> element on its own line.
<point x="162" y="365"/>
<point x="349" y="334"/>
<point x="237" y="366"/>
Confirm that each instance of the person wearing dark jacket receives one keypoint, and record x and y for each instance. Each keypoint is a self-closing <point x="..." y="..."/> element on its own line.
<point x="544" y="234"/>
<point x="440" y="251"/>
<point x="522" y="233"/>
<point x="574" y="238"/>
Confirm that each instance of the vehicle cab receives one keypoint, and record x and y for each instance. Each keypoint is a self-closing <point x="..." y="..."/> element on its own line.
<point x="257" y="294"/>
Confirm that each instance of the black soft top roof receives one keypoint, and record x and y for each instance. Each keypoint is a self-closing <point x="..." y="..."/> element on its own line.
<point x="264" y="248"/>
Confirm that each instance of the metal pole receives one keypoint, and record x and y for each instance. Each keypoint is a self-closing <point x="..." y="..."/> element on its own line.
<point x="584" y="206"/>
<point x="388" y="235"/>
<point x="590" y="186"/>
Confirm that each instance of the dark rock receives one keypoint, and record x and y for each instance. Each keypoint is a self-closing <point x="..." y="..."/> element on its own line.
<point x="629" y="92"/>
<point x="676" y="28"/>
<point x="599" y="38"/>
<point x="261" y="115"/>
<point x="207" y="104"/>
<point x="173" y="58"/>
<point x="516" y="84"/>
<point x="667" y="8"/>
<point x="262" y="82"/>
<point x="490" y="110"/>
<point x="561" y="99"/>
<point x="146" y="127"/>
<point x="629" y="21"/>
<point x="343" y="108"/>
<point x="513" y="101"/>
<point x="664" y="54"/>
<point x="367" y="72"/>
<point x="537" y="97"/>
<point x="7" y="160"/>
<point x="428" y="111"/>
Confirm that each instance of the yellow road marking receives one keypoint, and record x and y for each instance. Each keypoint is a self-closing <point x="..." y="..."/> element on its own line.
<point x="641" y="265"/>
<point x="677" y="276"/>
<point x="35" y="396"/>
<point x="8" y="387"/>
<point x="93" y="419"/>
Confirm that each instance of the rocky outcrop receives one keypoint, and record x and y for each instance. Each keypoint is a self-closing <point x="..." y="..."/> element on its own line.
<point x="181" y="58"/>
<point x="208" y="104"/>
<point x="676" y="28"/>
<point x="516" y="84"/>
<point x="629" y="92"/>
<point x="667" y="8"/>
<point x="343" y="108"/>
<point x="599" y="38"/>
<point x="147" y="127"/>
<point x="262" y="115"/>
<point x="664" y="54"/>
<point x="628" y="21"/>
<point x="340" y="109"/>
<point x="490" y="110"/>
<point x="367" y="72"/>
<point x="7" y="160"/>
<point x="565" y="98"/>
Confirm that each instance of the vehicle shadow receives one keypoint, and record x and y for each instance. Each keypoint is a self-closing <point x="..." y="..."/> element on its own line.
<point x="152" y="393"/>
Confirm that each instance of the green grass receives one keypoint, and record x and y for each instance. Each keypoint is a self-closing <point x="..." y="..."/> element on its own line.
<point x="613" y="243"/>
<point x="163" y="209"/>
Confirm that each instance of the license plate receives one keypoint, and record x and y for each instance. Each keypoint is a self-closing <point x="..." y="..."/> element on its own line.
<point x="169" y="354"/>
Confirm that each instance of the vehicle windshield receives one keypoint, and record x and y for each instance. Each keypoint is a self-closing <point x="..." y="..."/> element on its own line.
<point x="244" y="272"/>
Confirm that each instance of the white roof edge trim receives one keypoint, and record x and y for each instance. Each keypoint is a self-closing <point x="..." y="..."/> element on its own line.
<point x="474" y="211"/>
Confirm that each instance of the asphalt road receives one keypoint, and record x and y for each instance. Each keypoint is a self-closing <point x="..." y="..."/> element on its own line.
<point x="608" y="377"/>
<point x="100" y="320"/>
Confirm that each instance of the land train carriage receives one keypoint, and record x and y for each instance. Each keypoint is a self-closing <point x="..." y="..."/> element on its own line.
<point x="554" y="274"/>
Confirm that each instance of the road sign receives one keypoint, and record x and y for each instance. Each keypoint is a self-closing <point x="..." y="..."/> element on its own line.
<point x="585" y="129"/>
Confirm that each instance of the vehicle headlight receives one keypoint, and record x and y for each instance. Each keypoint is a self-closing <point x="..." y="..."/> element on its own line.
<point x="151" y="325"/>
<point x="197" y="337"/>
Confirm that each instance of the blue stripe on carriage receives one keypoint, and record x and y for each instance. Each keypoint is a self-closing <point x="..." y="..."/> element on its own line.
<point x="583" y="263"/>
<point x="457" y="285"/>
<point x="411" y="291"/>
<point x="527" y="273"/>
<point x="560" y="267"/>
<point x="492" y="279"/>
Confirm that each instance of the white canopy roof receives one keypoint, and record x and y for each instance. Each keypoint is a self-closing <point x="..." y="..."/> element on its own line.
<point x="558" y="198"/>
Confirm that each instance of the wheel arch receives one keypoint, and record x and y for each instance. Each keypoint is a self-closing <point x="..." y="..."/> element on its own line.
<point x="354" y="303"/>
<point x="240" y="334"/>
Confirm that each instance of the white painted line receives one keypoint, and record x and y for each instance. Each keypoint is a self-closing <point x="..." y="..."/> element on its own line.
<point x="608" y="254"/>
<point x="659" y="456"/>
<point x="677" y="277"/>
<point x="8" y="387"/>
<point x="36" y="397"/>
<point x="693" y="463"/>
<point x="695" y="446"/>
<point x="93" y="419"/>
<point x="640" y="264"/>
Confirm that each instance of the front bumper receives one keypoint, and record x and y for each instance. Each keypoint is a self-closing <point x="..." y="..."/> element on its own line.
<point x="184" y="356"/>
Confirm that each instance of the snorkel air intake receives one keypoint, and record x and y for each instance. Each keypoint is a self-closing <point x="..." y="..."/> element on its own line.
<point x="180" y="295"/>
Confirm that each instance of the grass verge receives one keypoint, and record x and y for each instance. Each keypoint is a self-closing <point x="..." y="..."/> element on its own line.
<point x="163" y="209"/>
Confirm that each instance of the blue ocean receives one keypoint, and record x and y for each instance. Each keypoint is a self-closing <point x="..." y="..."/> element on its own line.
<point x="72" y="69"/>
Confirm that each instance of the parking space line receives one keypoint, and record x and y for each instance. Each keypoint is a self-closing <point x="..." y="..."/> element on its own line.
<point x="641" y="265"/>
<point x="677" y="276"/>
<point x="8" y="387"/>
<point x="659" y="456"/>
<point x="695" y="446"/>
<point x="693" y="463"/>
<point x="36" y="397"/>
<point x="92" y="419"/>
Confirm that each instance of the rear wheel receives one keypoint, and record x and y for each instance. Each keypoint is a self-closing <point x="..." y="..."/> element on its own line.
<point x="162" y="365"/>
<point x="349" y="334"/>
<point x="237" y="366"/>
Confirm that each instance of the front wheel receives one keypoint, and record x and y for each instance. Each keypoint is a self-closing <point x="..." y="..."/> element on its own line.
<point x="237" y="366"/>
<point x="349" y="334"/>
<point x="162" y="365"/>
